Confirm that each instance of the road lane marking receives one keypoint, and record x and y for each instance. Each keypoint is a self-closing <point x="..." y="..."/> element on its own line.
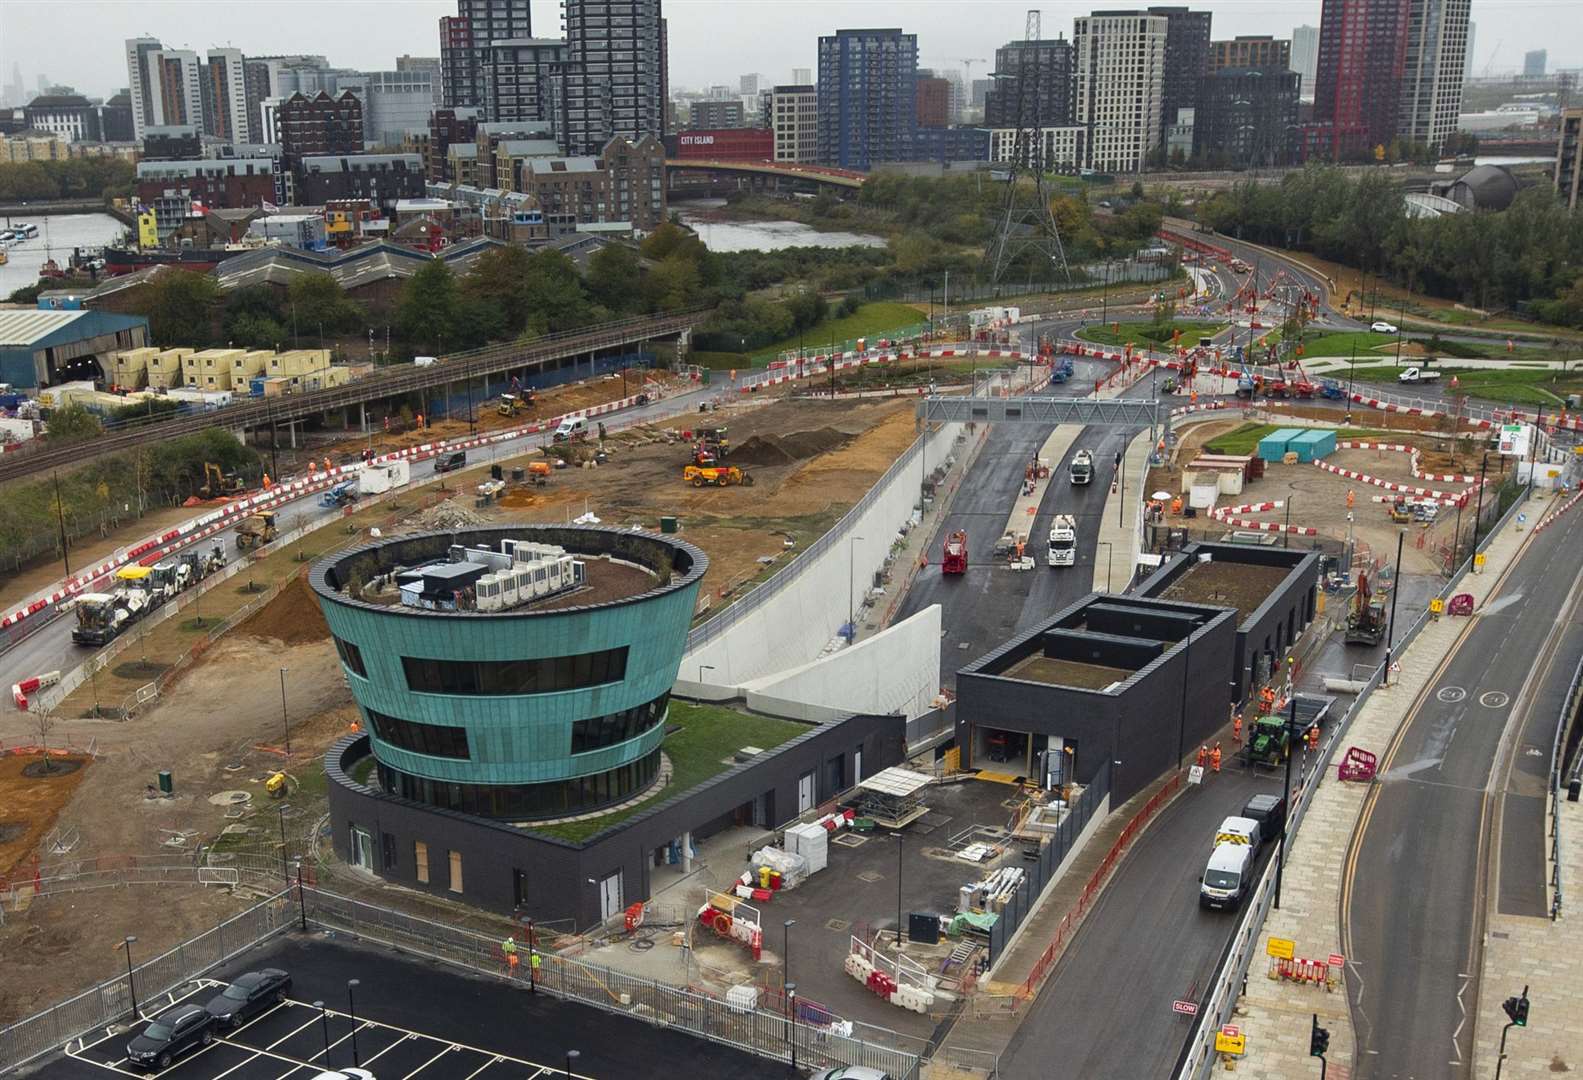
<point x="1494" y="699"/>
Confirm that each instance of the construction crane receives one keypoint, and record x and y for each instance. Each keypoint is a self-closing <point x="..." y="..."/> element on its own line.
<point x="967" y="66"/>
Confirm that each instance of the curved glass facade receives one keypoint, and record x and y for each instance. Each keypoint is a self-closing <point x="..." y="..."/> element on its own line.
<point x="516" y="714"/>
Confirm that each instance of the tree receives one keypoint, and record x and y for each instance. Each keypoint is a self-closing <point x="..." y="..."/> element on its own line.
<point x="614" y="278"/>
<point x="316" y="304"/>
<point x="499" y="278"/>
<point x="72" y="424"/>
<point x="672" y="284"/>
<point x="426" y="312"/>
<point x="180" y="306"/>
<point x="557" y="300"/>
<point x="249" y="331"/>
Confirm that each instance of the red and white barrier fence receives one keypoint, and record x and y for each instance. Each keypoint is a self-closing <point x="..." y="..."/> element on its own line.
<point x="1563" y="508"/>
<point x="1412" y="461"/>
<point x="1388" y="485"/>
<point x="21" y="690"/>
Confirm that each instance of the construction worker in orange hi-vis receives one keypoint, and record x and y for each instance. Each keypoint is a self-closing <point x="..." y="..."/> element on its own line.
<point x="326" y="464"/>
<point x="1214" y="758"/>
<point x="1203" y="755"/>
<point x="1236" y="729"/>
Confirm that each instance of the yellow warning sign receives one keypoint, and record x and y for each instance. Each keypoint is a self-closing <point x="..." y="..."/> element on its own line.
<point x="1230" y="1044"/>
<point x="1478" y="560"/>
<point x="1281" y="948"/>
<point x="1437" y="606"/>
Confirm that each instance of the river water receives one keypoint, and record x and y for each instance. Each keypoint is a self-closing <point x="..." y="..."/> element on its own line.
<point x="64" y="232"/>
<point x="761" y="235"/>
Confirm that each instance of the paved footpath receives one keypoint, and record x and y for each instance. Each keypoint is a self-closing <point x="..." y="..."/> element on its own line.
<point x="1275" y="1014"/>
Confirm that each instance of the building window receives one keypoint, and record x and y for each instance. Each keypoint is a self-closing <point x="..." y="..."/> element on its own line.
<point x="456" y="871"/>
<point x="387" y="847"/>
<point x="545" y="675"/>
<point x="523" y="802"/>
<point x="420" y="858"/>
<point x="597" y="732"/>
<point x="351" y="656"/>
<point x="435" y="740"/>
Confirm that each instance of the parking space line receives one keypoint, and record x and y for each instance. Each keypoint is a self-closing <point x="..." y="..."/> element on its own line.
<point x="113" y="1067"/>
<point x="408" y="1035"/>
<point x="431" y="1061"/>
<point x="302" y="1027"/>
<point x="492" y="1061"/>
<point x="245" y="1061"/>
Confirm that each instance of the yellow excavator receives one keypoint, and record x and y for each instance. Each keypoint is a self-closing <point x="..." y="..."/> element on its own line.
<point x="217" y="483"/>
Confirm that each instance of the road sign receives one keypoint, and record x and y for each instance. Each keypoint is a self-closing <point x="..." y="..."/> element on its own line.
<point x="1281" y="948"/>
<point x="1230" y="1029"/>
<point x="1230" y="1044"/>
<point x="1195" y="774"/>
<point x="1437" y="606"/>
<point x="1514" y="439"/>
<point x="1337" y="960"/>
<point x="1478" y="560"/>
<point x="1185" y="1008"/>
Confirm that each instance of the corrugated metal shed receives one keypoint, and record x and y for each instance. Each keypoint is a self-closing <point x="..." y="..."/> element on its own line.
<point x="20" y="329"/>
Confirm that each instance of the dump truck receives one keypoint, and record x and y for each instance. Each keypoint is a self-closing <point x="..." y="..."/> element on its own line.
<point x="102" y="616"/>
<point x="717" y="476"/>
<point x="1063" y="541"/>
<point x="256" y="530"/>
<point x="953" y="556"/>
<point x="1082" y="468"/>
<point x="1366" y="615"/>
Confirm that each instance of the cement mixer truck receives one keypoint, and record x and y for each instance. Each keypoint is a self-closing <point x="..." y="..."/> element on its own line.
<point x="1063" y="541"/>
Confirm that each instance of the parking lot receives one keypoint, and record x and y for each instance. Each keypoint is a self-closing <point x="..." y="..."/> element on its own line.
<point x="414" y="1021"/>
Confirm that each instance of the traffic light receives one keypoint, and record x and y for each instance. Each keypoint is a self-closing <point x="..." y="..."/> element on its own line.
<point x="1517" y="1009"/>
<point x="1318" y="1039"/>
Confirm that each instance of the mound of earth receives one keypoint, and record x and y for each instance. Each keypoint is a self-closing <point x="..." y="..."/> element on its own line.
<point x="770" y="450"/>
<point x="292" y="618"/>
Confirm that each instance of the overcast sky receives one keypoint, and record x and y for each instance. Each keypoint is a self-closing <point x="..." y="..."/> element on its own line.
<point x="81" y="42"/>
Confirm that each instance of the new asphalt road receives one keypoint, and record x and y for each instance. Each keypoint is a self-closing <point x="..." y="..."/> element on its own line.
<point x="1414" y="891"/>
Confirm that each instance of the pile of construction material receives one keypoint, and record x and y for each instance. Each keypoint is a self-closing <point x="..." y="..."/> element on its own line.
<point x="992" y="893"/>
<point x="812" y="843"/>
<point x="792" y="868"/>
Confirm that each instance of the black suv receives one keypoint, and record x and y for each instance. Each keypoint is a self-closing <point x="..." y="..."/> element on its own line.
<point x="171" y="1034"/>
<point x="248" y="996"/>
<point x="1269" y="811"/>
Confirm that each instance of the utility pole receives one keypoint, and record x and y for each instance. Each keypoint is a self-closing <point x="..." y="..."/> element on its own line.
<point x="1396" y="588"/>
<point x="1478" y="510"/>
<point x="1286" y="793"/>
<point x="60" y="522"/>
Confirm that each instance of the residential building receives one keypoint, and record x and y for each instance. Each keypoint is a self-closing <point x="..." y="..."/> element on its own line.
<point x="395" y="103"/>
<point x="979" y="95"/>
<point x="931" y="100"/>
<point x="1120" y="66"/>
<point x="268" y="125"/>
<point x="715" y="114"/>
<point x="141" y="76"/>
<point x="1034" y="77"/>
<point x="1187" y="36"/>
<point x="1063" y="147"/>
<point x="794" y="118"/>
<point x="33" y="146"/>
<point x="749" y="84"/>
<point x="1534" y="63"/>
<point x="382" y="179"/>
<point x="431" y="64"/>
<point x="1181" y="136"/>
<point x="294" y="230"/>
<point x="866" y="96"/>
<point x="465" y="40"/>
<point x="1467" y="61"/>
<point x="321" y="125"/>
<point x="722" y="144"/>
<point x="225" y="112"/>
<point x="1305" y="56"/>
<point x="1250" y="51"/>
<point x="1569" y="158"/>
<point x="625" y="183"/>
<point x="461" y="165"/>
<point x="511" y="154"/>
<point x="802" y="76"/>
<point x="523" y="80"/>
<point x="529" y="139"/>
<point x="177" y="189"/>
<point x="115" y="119"/>
<point x="615" y="74"/>
<point x="1247" y="116"/>
<point x="1358" y="85"/>
<point x="1437" y="41"/>
<point x="947" y="144"/>
<point x="172" y="142"/>
<point x="71" y="116"/>
<point x="447" y="127"/>
<point x="166" y="85"/>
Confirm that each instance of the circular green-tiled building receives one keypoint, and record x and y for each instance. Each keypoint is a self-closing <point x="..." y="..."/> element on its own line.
<point x="490" y="688"/>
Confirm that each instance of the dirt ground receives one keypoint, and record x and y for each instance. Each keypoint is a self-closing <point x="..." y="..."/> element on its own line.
<point x="31" y="796"/>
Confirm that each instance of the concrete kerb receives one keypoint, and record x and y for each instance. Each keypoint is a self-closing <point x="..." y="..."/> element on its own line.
<point x="1312" y="885"/>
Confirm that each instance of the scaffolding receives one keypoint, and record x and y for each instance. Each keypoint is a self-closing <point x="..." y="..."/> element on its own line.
<point x="892" y="797"/>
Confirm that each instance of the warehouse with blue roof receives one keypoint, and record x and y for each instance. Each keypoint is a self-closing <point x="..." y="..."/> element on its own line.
<point x="46" y="348"/>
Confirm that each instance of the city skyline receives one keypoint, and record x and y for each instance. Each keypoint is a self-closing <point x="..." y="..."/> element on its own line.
<point x="701" y="32"/>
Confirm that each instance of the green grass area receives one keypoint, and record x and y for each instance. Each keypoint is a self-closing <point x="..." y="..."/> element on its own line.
<point x="1149" y="333"/>
<point x="1382" y="346"/>
<point x="709" y="735"/>
<point x="1342" y="344"/>
<point x="875" y="319"/>
<point x="1522" y="386"/>
<point x="1245" y="439"/>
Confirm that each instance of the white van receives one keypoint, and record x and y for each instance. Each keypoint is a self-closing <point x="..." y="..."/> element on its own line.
<point x="572" y="428"/>
<point x="1239" y="830"/>
<point x="1225" y="880"/>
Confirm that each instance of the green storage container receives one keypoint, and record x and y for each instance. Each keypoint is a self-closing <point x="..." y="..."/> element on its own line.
<point x="669" y="524"/>
<point x="167" y="784"/>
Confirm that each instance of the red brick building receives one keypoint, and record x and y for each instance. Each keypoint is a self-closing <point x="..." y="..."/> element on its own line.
<point x="932" y="101"/>
<point x="321" y="125"/>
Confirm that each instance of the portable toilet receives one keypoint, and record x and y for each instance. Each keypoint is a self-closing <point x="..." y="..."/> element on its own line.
<point x="1273" y="446"/>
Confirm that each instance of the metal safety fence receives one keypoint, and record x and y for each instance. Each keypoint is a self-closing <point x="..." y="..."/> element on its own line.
<point x="1198" y="1056"/>
<point x="766" y="1033"/>
<point x="149" y="981"/>
<point x="1570" y="707"/>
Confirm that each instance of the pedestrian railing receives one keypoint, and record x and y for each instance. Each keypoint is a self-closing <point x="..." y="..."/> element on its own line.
<point x="1570" y="707"/>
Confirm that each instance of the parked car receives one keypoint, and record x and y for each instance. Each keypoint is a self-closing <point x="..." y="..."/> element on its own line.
<point x="345" y="1074"/>
<point x="1226" y="877"/>
<point x="1383" y="327"/>
<point x="248" y="996"/>
<point x="169" y="1035"/>
<point x="850" y="1072"/>
<point x="450" y="462"/>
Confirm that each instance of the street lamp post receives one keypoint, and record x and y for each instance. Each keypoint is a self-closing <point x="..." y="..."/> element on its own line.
<point x="1286" y="530"/>
<point x="898" y="890"/>
<point x="701" y="669"/>
<point x="791" y="1042"/>
<point x="1286" y="794"/>
<point x="1396" y="588"/>
<point x="851" y="590"/>
<point x="284" y="871"/>
<point x="285" y="723"/>
<point x="324" y="1024"/>
<point x="351" y="1009"/>
<point x="571" y="1060"/>
<point x="786" y="950"/>
<point x="1479" y="508"/>
<point x="1352" y="378"/>
<point x="131" y="980"/>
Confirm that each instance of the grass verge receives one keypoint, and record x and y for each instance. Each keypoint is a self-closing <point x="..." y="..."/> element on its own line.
<point x="1245" y="439"/>
<point x="1149" y="333"/>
